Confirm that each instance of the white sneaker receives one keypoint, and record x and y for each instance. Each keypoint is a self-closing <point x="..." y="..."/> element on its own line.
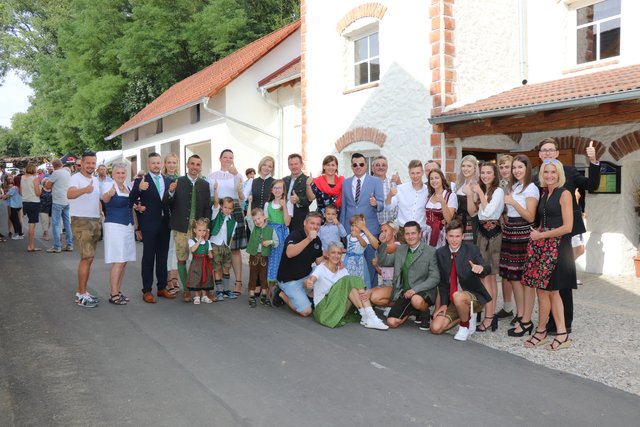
<point x="205" y="299"/>
<point x="386" y="311"/>
<point x="15" y="237"/>
<point x="196" y="300"/>
<point x="374" y="322"/>
<point x="462" y="334"/>
<point x="472" y="324"/>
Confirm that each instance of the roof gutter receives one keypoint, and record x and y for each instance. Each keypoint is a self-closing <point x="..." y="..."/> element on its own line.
<point x="589" y="101"/>
<point x="205" y="101"/>
<point x="153" y="119"/>
<point x="281" y="81"/>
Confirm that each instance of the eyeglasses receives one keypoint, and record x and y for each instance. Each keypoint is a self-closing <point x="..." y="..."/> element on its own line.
<point x="550" y="162"/>
<point x="356" y="165"/>
<point x="548" y="150"/>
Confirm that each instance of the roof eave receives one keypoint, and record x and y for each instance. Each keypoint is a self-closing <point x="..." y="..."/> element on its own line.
<point x="536" y="108"/>
<point x="281" y="81"/>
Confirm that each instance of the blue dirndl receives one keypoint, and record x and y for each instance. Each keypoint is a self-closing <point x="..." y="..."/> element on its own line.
<point x="282" y="232"/>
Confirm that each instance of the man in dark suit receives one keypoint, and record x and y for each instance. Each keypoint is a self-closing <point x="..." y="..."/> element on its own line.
<point x="154" y="225"/>
<point x="363" y="194"/>
<point x="296" y="188"/>
<point x="461" y="291"/>
<point x="188" y="198"/>
<point x="549" y="150"/>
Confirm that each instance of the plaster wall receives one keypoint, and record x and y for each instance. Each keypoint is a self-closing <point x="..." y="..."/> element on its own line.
<point x="398" y="106"/>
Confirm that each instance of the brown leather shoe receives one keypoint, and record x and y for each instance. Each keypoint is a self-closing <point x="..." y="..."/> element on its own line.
<point x="165" y="294"/>
<point x="148" y="297"/>
<point x="186" y="296"/>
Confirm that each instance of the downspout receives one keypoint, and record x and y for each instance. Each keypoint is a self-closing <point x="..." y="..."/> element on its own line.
<point x="443" y="151"/>
<point x="280" y="110"/>
<point x="522" y="25"/>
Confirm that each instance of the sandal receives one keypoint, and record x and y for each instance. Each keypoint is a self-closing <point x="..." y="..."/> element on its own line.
<point x="123" y="297"/>
<point x="238" y="293"/>
<point x="493" y="325"/>
<point x="561" y="344"/>
<point x="117" y="300"/>
<point x="534" y="341"/>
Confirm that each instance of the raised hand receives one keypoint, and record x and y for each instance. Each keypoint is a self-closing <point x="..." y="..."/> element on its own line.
<point x="508" y="199"/>
<point x="112" y="191"/>
<point x="313" y="234"/>
<point x="215" y="185"/>
<point x="476" y="188"/>
<point x="143" y="185"/>
<point x="173" y="185"/>
<point x="294" y="198"/>
<point x="591" y="153"/>
<point x="393" y="190"/>
<point x="476" y="268"/>
<point x="309" y="180"/>
<point x="233" y="170"/>
<point x="372" y="200"/>
<point x="89" y="187"/>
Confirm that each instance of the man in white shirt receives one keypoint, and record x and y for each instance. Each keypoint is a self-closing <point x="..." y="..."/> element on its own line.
<point x="84" y="203"/>
<point x="60" y="207"/>
<point x="410" y="198"/>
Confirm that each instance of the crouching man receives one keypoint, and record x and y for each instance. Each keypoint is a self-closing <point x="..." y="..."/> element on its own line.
<point x="415" y="277"/>
<point x="462" y="294"/>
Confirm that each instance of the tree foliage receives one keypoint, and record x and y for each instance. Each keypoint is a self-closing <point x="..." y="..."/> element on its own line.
<point x="94" y="64"/>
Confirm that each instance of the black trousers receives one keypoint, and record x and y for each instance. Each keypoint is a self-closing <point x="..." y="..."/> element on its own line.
<point x="567" y="303"/>
<point x="14" y="216"/>
<point x="155" y="251"/>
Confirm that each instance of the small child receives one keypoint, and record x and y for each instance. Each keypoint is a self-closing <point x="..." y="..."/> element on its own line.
<point x="279" y="219"/>
<point x="46" y="205"/>
<point x="357" y="242"/>
<point x="261" y="241"/>
<point x="331" y="230"/>
<point x="200" y="275"/>
<point x="388" y="232"/>
<point x="223" y="227"/>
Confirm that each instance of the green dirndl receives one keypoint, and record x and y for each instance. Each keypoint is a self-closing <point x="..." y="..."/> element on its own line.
<point x="335" y="310"/>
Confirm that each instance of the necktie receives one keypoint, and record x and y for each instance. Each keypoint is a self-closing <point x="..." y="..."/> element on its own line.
<point x="156" y="178"/>
<point x="357" y="190"/>
<point x="453" y="278"/>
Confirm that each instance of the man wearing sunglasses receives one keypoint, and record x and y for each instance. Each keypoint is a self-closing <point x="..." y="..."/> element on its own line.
<point x="363" y="194"/>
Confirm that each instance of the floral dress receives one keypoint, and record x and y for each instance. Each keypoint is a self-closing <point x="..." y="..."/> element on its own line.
<point x="354" y="258"/>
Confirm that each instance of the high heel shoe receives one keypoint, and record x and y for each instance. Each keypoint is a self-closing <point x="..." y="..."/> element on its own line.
<point x="515" y="320"/>
<point x="493" y="325"/>
<point x="526" y="327"/>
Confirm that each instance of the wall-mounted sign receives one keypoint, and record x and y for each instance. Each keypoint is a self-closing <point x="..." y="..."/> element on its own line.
<point x="610" y="178"/>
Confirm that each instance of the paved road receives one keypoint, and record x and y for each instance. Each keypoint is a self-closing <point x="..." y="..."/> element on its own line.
<point x="175" y="364"/>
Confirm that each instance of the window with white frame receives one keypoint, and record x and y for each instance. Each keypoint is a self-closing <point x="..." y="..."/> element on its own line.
<point x="366" y="59"/>
<point x="598" y="31"/>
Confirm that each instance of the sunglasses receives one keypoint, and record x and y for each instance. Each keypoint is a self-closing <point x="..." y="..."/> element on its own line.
<point x="356" y="165"/>
<point x="551" y="162"/>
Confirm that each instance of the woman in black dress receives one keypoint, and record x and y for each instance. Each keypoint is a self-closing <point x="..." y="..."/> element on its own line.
<point x="551" y="266"/>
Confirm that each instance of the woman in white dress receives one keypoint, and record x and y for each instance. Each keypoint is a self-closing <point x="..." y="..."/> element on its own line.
<point x="119" y="238"/>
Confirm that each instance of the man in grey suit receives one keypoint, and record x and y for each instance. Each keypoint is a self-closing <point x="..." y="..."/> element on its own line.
<point x="363" y="194"/>
<point x="415" y="278"/>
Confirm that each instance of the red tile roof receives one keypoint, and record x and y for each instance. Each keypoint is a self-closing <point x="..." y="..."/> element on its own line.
<point x="284" y="74"/>
<point x="209" y="81"/>
<point x="617" y="80"/>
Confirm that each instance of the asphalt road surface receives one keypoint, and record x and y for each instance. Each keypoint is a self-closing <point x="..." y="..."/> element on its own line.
<point x="224" y="364"/>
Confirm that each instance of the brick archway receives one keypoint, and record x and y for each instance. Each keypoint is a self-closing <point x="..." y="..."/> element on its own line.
<point x="366" y="10"/>
<point x="361" y="134"/>
<point x="580" y="144"/>
<point x="624" y="145"/>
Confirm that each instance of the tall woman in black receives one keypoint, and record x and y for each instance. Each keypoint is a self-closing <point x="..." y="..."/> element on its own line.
<point x="555" y="211"/>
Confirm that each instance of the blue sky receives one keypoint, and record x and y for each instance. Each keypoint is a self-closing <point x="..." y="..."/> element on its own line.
<point x="13" y="98"/>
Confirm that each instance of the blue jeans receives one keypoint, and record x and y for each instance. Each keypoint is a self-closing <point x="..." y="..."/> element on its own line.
<point x="59" y="212"/>
<point x="296" y="293"/>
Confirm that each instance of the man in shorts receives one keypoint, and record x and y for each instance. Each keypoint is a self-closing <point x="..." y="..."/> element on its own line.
<point x="301" y="249"/>
<point x="461" y="292"/>
<point x="84" y="205"/>
<point x="188" y="199"/>
<point x="415" y="277"/>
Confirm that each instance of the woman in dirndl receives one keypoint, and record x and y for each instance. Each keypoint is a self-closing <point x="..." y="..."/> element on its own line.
<point x="468" y="176"/>
<point x="490" y="207"/>
<point x="230" y="185"/>
<point x="521" y="202"/>
<point x="440" y="208"/>
<point x="550" y="265"/>
<point x="119" y="237"/>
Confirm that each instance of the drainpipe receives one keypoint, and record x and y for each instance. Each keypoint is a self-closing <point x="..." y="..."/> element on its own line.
<point x="279" y="108"/>
<point x="522" y="26"/>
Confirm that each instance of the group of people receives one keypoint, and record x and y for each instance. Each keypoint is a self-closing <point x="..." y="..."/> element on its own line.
<point x="431" y="250"/>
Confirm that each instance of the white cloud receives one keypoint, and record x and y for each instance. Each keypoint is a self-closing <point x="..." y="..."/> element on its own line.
<point x="13" y="98"/>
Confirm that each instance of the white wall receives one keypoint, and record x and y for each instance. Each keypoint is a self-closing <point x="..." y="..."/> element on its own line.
<point x="399" y="106"/>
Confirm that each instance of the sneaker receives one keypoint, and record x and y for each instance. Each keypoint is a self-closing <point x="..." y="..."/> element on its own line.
<point x="68" y="249"/>
<point x="417" y="319"/>
<point x="264" y="300"/>
<point x="88" y="296"/>
<point x="220" y="296"/>
<point x="230" y="295"/>
<point x="276" y="301"/>
<point x="374" y="322"/>
<point x="21" y="237"/>
<point x="53" y="250"/>
<point x="15" y="237"/>
<point x="196" y="300"/>
<point x="462" y="334"/>
<point x="205" y="299"/>
<point x="503" y="314"/>
<point x="83" y="301"/>
<point x="425" y="324"/>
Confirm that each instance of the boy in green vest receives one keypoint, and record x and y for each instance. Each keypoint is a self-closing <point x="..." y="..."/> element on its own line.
<point x="222" y="227"/>
<point x="261" y="240"/>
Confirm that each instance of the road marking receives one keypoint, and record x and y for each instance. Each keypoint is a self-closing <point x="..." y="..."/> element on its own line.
<point x="379" y="366"/>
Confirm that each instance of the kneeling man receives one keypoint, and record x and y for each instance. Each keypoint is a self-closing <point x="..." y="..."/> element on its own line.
<point x="415" y="277"/>
<point x="301" y="249"/>
<point x="461" y="292"/>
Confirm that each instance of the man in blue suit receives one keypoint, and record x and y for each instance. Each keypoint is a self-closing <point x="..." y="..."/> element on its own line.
<point x="154" y="225"/>
<point x="363" y="194"/>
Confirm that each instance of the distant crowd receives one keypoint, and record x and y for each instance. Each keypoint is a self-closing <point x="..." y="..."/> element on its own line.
<point x="430" y="251"/>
